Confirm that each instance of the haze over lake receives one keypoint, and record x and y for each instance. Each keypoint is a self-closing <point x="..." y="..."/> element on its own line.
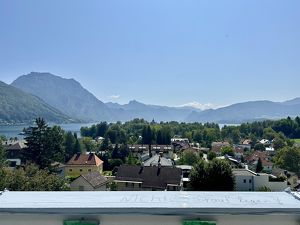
<point x="14" y="130"/>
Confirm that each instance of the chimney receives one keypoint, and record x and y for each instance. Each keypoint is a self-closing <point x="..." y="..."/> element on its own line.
<point x="159" y="168"/>
<point x="142" y="167"/>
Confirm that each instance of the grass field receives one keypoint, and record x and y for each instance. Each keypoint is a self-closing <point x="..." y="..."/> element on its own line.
<point x="297" y="141"/>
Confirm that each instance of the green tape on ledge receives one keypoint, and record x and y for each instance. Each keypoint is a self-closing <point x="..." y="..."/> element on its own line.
<point x="80" y="222"/>
<point x="197" y="222"/>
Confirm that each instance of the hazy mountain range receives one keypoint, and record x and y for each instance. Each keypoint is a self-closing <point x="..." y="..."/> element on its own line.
<point x="61" y="99"/>
<point x="67" y="95"/>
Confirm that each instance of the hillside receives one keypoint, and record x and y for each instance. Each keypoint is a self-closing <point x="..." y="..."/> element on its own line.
<point x="17" y="106"/>
<point x="135" y="109"/>
<point x="247" y="111"/>
<point x="66" y="95"/>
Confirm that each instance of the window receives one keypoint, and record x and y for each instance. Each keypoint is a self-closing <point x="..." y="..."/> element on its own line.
<point x="126" y="184"/>
<point x="140" y="185"/>
<point x="80" y="170"/>
<point x="89" y="170"/>
<point x="250" y="181"/>
<point x="244" y="181"/>
<point x="70" y="170"/>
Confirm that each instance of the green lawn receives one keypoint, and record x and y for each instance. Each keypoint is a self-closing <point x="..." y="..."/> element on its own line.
<point x="297" y="141"/>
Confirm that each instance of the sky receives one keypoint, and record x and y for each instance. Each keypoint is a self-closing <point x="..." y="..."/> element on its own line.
<point x="171" y="52"/>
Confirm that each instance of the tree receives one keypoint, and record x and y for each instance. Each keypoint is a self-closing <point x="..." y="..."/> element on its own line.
<point x="211" y="155"/>
<point x="215" y="175"/>
<point x="269" y="133"/>
<point x="259" y="147"/>
<point x="189" y="157"/>
<point x="77" y="146"/>
<point x="131" y="160"/>
<point x="116" y="152"/>
<point x="89" y="144"/>
<point x="123" y="152"/>
<point x="101" y="129"/>
<point x="44" y="144"/>
<point x="259" y="166"/>
<point x="105" y="144"/>
<point x="112" y="186"/>
<point x="288" y="158"/>
<point x="264" y="189"/>
<point x="2" y="156"/>
<point x="54" y="144"/>
<point x="220" y="176"/>
<point x="198" y="177"/>
<point x="159" y="138"/>
<point x="279" y="143"/>
<point x="2" y="138"/>
<point x="36" y="139"/>
<point x="31" y="178"/>
<point x="69" y="144"/>
<point x="228" y="150"/>
<point x="114" y="163"/>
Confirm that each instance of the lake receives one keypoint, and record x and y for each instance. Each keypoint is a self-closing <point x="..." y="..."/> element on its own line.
<point x="14" y="130"/>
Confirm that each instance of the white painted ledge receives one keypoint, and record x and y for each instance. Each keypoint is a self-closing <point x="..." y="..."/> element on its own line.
<point x="150" y="203"/>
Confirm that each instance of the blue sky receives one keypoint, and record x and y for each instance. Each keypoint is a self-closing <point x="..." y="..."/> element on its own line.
<point x="159" y="52"/>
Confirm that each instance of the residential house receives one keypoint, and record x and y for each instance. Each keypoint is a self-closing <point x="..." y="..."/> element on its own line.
<point x="179" y="139"/>
<point x="191" y="149"/>
<point x="247" y="180"/>
<point x="14" y="152"/>
<point x="238" y="152"/>
<point x="270" y="151"/>
<point x="165" y="150"/>
<point x="138" y="150"/>
<point x="265" y="142"/>
<point x="217" y="146"/>
<point x="148" y="178"/>
<point x="243" y="146"/>
<point x="83" y="163"/>
<point x="235" y="163"/>
<point x="247" y="142"/>
<point x="292" y="177"/>
<point x="157" y="160"/>
<point x="178" y="146"/>
<point x="252" y="160"/>
<point x="93" y="181"/>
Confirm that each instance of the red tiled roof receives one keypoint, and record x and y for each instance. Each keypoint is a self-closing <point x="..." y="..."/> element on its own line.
<point x="85" y="159"/>
<point x="239" y="150"/>
<point x="262" y="155"/>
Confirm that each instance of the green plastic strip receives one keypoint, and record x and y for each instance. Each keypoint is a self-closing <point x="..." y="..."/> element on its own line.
<point x="197" y="222"/>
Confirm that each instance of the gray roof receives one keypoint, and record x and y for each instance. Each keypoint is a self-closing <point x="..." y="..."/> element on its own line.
<point x="153" y="161"/>
<point x="243" y="172"/>
<point x="150" y="177"/>
<point x="14" y="145"/>
<point x="95" y="179"/>
<point x="160" y="203"/>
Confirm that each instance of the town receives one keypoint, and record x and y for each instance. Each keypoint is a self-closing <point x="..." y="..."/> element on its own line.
<point x="150" y="156"/>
